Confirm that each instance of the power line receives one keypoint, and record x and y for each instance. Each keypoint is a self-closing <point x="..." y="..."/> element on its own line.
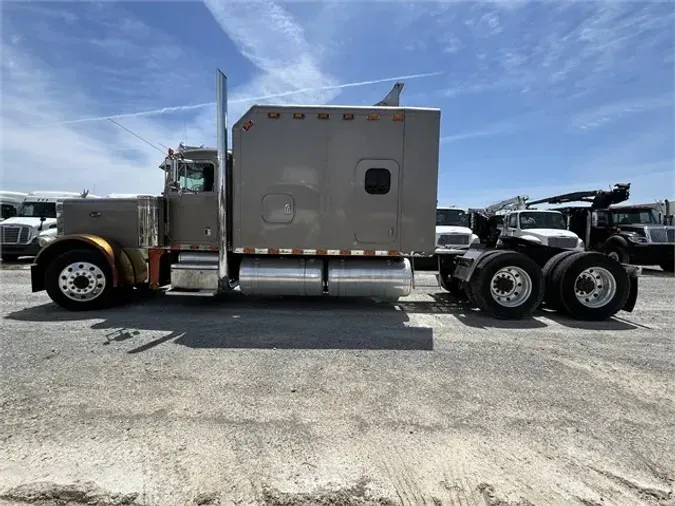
<point x="135" y="135"/>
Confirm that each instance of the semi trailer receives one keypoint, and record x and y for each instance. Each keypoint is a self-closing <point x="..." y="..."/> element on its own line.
<point x="309" y="201"/>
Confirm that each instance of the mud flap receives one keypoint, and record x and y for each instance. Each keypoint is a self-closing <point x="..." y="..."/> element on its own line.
<point x="632" y="293"/>
<point x="37" y="281"/>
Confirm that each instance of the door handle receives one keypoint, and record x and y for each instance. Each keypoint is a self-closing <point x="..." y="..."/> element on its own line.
<point x="95" y="214"/>
<point x="391" y="231"/>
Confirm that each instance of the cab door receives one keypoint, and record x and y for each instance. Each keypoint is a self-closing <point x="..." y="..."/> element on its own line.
<point x="376" y="202"/>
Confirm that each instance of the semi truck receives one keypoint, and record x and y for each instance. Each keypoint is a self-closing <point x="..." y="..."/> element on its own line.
<point x="311" y="200"/>
<point x="34" y="223"/>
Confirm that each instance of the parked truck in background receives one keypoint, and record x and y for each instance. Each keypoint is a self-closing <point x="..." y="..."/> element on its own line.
<point x="630" y="234"/>
<point x="514" y="224"/>
<point x="34" y="222"/>
<point x="311" y="201"/>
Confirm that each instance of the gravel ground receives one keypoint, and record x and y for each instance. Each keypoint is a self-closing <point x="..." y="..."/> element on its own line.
<point x="180" y="400"/>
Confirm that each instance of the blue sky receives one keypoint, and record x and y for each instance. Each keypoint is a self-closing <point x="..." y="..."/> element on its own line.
<point x="537" y="98"/>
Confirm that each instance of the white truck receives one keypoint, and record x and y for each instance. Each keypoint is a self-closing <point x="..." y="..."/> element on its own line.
<point x="10" y="202"/>
<point x="453" y="230"/>
<point x="314" y="200"/>
<point x="34" y="223"/>
<point x="513" y="221"/>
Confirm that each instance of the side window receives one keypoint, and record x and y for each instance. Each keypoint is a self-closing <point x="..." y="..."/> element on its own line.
<point x="513" y="221"/>
<point x="8" y="211"/>
<point x="378" y="181"/>
<point x="197" y="177"/>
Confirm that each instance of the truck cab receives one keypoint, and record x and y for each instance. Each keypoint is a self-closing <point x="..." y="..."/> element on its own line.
<point x="634" y="234"/>
<point x="452" y="229"/>
<point x="541" y="227"/>
<point x="22" y="234"/>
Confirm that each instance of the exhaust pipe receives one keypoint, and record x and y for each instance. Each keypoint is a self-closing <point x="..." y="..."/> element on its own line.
<point x="221" y="121"/>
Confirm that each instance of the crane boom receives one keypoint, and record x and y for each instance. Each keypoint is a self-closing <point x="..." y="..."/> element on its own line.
<point x="599" y="199"/>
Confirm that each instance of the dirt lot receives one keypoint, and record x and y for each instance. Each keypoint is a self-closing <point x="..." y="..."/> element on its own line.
<point x="181" y="400"/>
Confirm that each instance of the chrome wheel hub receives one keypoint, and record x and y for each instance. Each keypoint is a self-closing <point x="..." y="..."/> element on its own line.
<point x="595" y="287"/>
<point x="511" y="286"/>
<point x="82" y="281"/>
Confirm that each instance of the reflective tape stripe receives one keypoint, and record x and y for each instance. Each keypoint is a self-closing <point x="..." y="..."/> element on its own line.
<point x="319" y="252"/>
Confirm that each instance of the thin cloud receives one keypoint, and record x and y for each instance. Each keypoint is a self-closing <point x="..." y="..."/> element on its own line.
<point x="604" y="115"/>
<point x="178" y="108"/>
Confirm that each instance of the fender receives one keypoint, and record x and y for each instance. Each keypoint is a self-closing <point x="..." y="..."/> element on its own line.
<point x="617" y="239"/>
<point x="121" y="265"/>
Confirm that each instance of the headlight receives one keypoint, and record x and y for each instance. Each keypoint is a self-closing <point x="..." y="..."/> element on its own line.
<point x="43" y="240"/>
<point x="638" y="239"/>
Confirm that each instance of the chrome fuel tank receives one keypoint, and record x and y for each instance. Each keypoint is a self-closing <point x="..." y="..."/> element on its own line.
<point x="386" y="279"/>
<point x="281" y="276"/>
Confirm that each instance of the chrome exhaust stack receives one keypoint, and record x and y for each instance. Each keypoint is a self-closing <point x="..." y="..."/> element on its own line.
<point x="221" y="121"/>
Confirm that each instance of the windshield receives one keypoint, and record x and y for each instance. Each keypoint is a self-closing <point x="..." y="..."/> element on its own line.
<point x="455" y="217"/>
<point x="38" y="209"/>
<point x="643" y="216"/>
<point x="542" y="220"/>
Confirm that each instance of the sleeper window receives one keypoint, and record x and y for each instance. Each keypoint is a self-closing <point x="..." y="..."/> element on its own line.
<point x="378" y="181"/>
<point x="513" y="223"/>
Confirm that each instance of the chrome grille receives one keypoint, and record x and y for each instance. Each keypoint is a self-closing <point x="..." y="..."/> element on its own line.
<point x="454" y="239"/>
<point x="662" y="234"/>
<point x="562" y="242"/>
<point x="10" y="235"/>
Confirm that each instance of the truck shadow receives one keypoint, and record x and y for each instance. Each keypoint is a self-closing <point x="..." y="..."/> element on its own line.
<point x="237" y="321"/>
<point x="444" y="303"/>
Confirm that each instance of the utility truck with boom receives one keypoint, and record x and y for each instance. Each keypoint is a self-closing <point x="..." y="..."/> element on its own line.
<point x="633" y="234"/>
<point x="311" y="201"/>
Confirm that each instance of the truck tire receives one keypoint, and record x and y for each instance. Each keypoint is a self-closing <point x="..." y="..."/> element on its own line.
<point x="79" y="280"/>
<point x="591" y="286"/>
<point x="468" y="291"/>
<point x="668" y="266"/>
<point x="618" y="253"/>
<point x="552" y="297"/>
<point x="452" y="285"/>
<point x="508" y="285"/>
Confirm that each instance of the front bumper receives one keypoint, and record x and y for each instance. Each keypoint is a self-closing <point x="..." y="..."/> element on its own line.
<point x="651" y="254"/>
<point x="23" y="250"/>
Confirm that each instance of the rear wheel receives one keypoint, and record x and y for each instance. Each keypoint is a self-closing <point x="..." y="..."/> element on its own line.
<point x="552" y="296"/>
<point x="592" y="286"/>
<point x="79" y="280"/>
<point x="508" y="285"/>
<point x="452" y="285"/>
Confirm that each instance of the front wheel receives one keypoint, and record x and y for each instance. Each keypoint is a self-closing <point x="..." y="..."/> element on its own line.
<point x="79" y="280"/>
<point x="508" y="285"/>
<point x="618" y="254"/>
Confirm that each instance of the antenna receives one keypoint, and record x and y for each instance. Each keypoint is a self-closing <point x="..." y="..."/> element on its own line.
<point x="135" y="135"/>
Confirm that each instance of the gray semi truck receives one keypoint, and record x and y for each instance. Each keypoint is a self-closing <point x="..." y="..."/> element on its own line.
<point x="310" y="201"/>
